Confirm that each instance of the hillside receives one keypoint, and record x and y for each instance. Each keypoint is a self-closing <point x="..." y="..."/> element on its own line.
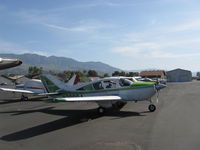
<point x="57" y="64"/>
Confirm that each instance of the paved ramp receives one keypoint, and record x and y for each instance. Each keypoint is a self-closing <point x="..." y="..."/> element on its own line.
<point x="44" y="125"/>
<point x="177" y="125"/>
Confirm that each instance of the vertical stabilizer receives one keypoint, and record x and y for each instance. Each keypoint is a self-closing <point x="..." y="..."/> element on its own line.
<point x="50" y="83"/>
<point x="74" y="80"/>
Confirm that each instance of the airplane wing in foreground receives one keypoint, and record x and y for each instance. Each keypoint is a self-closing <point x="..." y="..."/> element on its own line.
<point x="89" y="99"/>
<point x="17" y="91"/>
<point x="27" y="92"/>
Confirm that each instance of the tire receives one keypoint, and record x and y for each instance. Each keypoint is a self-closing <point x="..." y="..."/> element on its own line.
<point x="119" y="105"/>
<point x="24" y="98"/>
<point x="101" y="110"/>
<point x="152" y="108"/>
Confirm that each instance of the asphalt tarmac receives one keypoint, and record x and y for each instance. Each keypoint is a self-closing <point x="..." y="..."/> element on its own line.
<point x="41" y="124"/>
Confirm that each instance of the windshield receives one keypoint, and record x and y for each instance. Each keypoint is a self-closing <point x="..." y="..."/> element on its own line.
<point x="125" y="82"/>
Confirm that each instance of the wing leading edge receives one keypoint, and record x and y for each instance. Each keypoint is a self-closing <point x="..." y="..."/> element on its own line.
<point x="89" y="99"/>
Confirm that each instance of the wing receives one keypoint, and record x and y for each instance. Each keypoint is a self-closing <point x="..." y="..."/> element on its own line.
<point x="28" y="92"/>
<point x="49" y="94"/>
<point x="17" y="91"/>
<point x="89" y="99"/>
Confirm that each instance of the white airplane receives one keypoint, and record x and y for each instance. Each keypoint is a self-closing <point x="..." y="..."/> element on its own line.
<point x="8" y="63"/>
<point x="112" y="92"/>
<point x="34" y="87"/>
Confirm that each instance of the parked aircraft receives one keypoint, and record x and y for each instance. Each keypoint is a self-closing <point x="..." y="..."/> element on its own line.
<point x="35" y="87"/>
<point x="9" y="63"/>
<point x="112" y="92"/>
<point x="32" y="86"/>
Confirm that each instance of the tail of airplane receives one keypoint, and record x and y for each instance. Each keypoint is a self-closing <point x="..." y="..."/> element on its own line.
<point x="49" y="85"/>
<point x="53" y="84"/>
<point x="74" y="80"/>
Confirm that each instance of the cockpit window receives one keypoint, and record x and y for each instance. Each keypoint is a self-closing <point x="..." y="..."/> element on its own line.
<point x="125" y="82"/>
<point x="109" y="84"/>
<point x="98" y="86"/>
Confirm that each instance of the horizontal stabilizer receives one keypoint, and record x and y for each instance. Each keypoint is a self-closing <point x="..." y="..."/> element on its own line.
<point x="89" y="99"/>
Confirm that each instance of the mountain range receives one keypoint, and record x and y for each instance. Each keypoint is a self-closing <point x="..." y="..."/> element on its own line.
<point x="55" y="63"/>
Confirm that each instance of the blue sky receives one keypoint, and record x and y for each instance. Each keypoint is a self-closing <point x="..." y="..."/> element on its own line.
<point x="128" y="34"/>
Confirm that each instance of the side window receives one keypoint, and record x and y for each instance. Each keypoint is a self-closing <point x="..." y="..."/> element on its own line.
<point x="98" y="86"/>
<point x="109" y="84"/>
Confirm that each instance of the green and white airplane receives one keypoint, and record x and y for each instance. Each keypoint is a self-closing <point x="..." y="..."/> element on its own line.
<point x="112" y="92"/>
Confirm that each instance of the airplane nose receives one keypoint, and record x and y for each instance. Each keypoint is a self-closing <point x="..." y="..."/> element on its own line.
<point x="160" y="86"/>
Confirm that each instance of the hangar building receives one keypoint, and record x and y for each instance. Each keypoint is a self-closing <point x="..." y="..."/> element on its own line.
<point x="179" y="75"/>
<point x="153" y="74"/>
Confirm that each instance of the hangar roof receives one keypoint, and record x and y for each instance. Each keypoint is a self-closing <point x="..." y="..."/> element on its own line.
<point x="153" y="73"/>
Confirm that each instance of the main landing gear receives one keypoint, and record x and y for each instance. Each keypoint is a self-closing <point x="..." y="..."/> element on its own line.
<point x="101" y="110"/>
<point x="115" y="106"/>
<point x="24" y="98"/>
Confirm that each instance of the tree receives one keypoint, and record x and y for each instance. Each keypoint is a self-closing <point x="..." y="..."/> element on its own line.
<point x="92" y="73"/>
<point x="34" y="71"/>
<point x="132" y="74"/>
<point x="116" y="73"/>
<point x="106" y="75"/>
<point x="122" y="73"/>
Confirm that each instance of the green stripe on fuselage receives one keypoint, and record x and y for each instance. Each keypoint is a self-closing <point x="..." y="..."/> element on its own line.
<point x="143" y="84"/>
<point x="59" y="99"/>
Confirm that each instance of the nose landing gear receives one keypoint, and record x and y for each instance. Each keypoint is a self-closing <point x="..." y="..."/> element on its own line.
<point x="152" y="107"/>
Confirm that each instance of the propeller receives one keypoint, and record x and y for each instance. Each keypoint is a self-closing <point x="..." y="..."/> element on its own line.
<point x="158" y="87"/>
<point x="157" y="93"/>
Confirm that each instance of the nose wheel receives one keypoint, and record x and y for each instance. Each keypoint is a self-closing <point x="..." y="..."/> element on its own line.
<point x="152" y="107"/>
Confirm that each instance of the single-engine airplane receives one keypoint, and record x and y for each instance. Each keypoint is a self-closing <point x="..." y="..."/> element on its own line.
<point x="9" y="63"/>
<point x="112" y="92"/>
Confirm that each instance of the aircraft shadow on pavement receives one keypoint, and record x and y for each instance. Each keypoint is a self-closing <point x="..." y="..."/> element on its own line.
<point x="72" y="117"/>
<point x="10" y="101"/>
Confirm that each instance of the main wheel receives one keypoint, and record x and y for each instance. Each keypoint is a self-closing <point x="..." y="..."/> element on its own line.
<point x="101" y="110"/>
<point x="152" y="108"/>
<point x="24" y="98"/>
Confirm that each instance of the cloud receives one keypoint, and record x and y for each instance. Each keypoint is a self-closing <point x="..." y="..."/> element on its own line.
<point x="57" y="23"/>
<point x="96" y="4"/>
<point x="80" y="28"/>
<point x="178" y="40"/>
<point x="153" y="50"/>
<point x="189" y="25"/>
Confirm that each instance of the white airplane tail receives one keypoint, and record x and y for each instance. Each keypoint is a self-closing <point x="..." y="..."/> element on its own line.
<point x="53" y="84"/>
<point x="74" y="80"/>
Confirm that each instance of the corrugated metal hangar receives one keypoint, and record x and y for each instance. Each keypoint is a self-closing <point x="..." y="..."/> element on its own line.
<point x="179" y="75"/>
